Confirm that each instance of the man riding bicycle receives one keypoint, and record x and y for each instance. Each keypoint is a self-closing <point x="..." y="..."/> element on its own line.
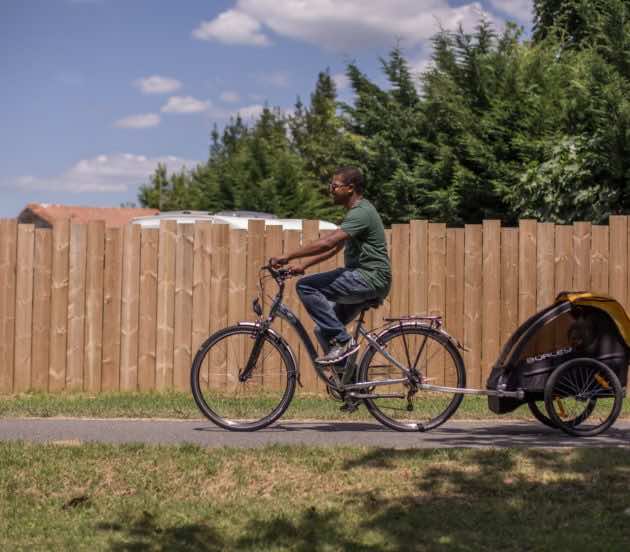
<point x="334" y="298"/>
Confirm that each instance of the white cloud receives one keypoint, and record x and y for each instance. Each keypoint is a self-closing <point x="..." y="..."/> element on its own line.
<point x="232" y="27"/>
<point x="144" y="120"/>
<point x="104" y="173"/>
<point x="185" y="104"/>
<point x="156" y="84"/>
<point x="250" y="111"/>
<point x="279" y="79"/>
<point x="521" y="10"/>
<point x="342" y="82"/>
<point x="419" y="65"/>
<point x="230" y="96"/>
<point x="341" y="24"/>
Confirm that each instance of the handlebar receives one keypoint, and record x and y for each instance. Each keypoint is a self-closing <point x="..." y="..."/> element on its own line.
<point x="278" y="274"/>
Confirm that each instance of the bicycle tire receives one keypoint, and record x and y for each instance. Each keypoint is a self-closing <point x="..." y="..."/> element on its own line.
<point x="434" y="342"/>
<point x="576" y="381"/>
<point x="538" y="413"/>
<point x="545" y="419"/>
<point x="242" y="406"/>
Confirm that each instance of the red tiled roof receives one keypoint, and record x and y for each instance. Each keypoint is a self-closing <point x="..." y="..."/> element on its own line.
<point x="113" y="216"/>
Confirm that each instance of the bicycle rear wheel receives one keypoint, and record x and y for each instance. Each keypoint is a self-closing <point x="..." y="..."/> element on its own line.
<point x="434" y="359"/>
<point x="243" y="405"/>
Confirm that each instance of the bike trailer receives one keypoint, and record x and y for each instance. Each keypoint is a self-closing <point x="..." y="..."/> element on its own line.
<point x="576" y="325"/>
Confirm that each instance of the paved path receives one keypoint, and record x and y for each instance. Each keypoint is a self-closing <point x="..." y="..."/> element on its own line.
<point x="452" y="434"/>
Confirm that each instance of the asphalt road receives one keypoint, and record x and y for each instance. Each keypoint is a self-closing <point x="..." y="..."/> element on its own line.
<point x="452" y="434"/>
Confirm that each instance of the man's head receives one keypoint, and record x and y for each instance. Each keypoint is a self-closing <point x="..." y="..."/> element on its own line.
<point x="346" y="182"/>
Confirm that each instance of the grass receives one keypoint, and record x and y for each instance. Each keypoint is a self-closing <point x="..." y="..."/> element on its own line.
<point x="136" y="497"/>
<point x="181" y="405"/>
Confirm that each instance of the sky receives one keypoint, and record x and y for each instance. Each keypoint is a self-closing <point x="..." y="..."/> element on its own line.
<point x="95" y="93"/>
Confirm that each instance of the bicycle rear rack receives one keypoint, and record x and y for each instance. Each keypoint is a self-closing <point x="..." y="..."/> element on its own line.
<point x="435" y="321"/>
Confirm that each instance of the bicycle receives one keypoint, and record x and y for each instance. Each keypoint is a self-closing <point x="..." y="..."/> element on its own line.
<point x="410" y="375"/>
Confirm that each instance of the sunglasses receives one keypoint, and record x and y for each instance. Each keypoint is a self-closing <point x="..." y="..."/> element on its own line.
<point x="335" y="185"/>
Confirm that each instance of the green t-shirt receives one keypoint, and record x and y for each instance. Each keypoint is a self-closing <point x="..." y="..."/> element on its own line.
<point x="366" y="250"/>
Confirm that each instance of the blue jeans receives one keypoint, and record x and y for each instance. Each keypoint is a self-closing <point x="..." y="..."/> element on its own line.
<point x="333" y="299"/>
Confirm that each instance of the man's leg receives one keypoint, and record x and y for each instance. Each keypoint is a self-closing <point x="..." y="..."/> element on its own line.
<point x="333" y="299"/>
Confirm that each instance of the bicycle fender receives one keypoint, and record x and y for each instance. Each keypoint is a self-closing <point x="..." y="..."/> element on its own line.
<point x="435" y="331"/>
<point x="280" y="341"/>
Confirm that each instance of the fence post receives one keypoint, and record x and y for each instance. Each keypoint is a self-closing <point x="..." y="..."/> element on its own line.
<point x="24" y="307"/>
<point x="41" y="308"/>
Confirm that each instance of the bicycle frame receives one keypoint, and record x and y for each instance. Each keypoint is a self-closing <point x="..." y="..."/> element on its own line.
<point x="282" y="311"/>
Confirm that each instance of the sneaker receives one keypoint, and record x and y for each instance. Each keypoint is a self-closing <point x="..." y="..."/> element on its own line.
<point x="339" y="351"/>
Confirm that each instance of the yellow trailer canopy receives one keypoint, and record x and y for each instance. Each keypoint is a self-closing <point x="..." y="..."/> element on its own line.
<point x="603" y="302"/>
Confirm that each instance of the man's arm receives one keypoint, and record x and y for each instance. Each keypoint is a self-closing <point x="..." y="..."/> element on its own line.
<point x="320" y="249"/>
<point x="319" y="258"/>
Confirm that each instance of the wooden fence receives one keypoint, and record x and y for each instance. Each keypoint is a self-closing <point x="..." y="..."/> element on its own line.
<point x="84" y="307"/>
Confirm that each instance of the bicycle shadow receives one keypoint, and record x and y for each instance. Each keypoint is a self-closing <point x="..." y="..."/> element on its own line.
<point x="324" y="427"/>
<point x="464" y="434"/>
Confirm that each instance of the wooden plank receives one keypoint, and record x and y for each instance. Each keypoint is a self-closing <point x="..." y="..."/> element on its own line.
<point x="202" y="272"/>
<point x="618" y="258"/>
<point x="527" y="256"/>
<point x="8" y="263"/>
<point x="76" y="307"/>
<point x="384" y="310"/>
<point x="24" y="307"/>
<point x="437" y="294"/>
<point x="94" y="305"/>
<point x="545" y="275"/>
<point x="582" y="256"/>
<point x="400" y="269"/>
<point x="509" y="282"/>
<point x="491" y="286"/>
<point x="599" y="259"/>
<point x="237" y="302"/>
<point x="112" y="308"/>
<point x="418" y="266"/>
<point x="545" y="266"/>
<point x="129" y="316"/>
<point x="41" y="308"/>
<point x="219" y="302"/>
<point x="291" y="300"/>
<point x="272" y="375"/>
<point x="564" y="258"/>
<point x="59" y="306"/>
<point x="473" y="265"/>
<point x="182" y="356"/>
<point x="165" y="305"/>
<point x="255" y="259"/>
<point x="454" y="302"/>
<point x="147" y="315"/>
<point x="310" y="233"/>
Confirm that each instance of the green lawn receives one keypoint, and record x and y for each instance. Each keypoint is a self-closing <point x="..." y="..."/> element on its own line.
<point x="181" y="405"/>
<point x="136" y="497"/>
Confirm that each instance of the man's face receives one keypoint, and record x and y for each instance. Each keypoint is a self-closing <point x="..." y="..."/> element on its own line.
<point x="339" y="190"/>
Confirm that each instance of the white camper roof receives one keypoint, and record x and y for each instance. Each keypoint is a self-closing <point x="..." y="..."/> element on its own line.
<point x="236" y="219"/>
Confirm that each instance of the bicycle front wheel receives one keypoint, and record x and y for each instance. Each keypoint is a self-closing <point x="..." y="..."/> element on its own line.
<point x="243" y="405"/>
<point x="435" y="360"/>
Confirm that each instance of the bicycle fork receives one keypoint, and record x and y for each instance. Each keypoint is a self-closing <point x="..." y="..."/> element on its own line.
<point x="253" y="357"/>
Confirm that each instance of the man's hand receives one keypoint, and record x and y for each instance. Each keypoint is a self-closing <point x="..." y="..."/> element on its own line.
<point x="297" y="268"/>
<point x="277" y="262"/>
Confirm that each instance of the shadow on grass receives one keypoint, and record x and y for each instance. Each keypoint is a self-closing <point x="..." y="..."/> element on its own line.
<point x="144" y="533"/>
<point x="464" y="500"/>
